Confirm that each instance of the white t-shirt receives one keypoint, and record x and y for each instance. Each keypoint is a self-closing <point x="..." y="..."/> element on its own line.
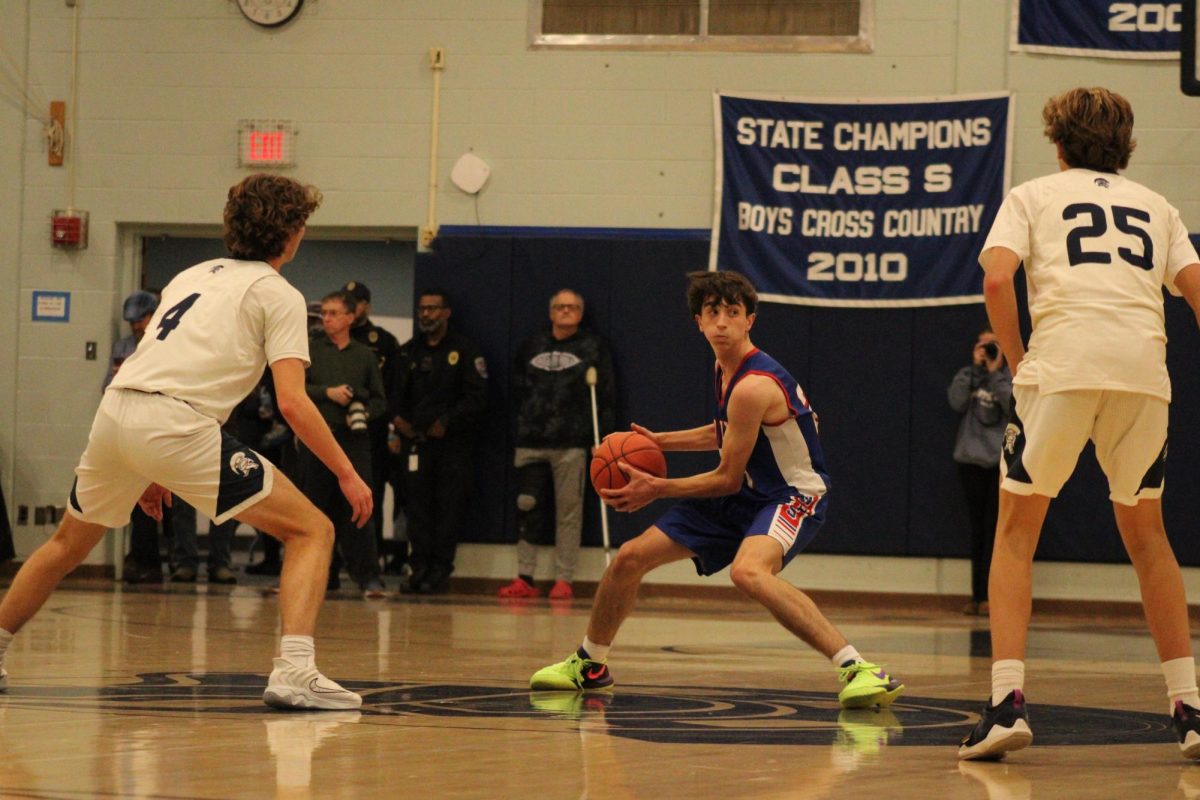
<point x="220" y="323"/>
<point x="1098" y="249"/>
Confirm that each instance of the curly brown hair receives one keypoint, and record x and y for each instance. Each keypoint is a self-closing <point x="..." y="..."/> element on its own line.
<point x="1093" y="126"/>
<point x="725" y="286"/>
<point x="262" y="213"/>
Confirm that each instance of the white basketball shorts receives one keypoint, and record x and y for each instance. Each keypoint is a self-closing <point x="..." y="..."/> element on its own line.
<point x="139" y="438"/>
<point x="1047" y="432"/>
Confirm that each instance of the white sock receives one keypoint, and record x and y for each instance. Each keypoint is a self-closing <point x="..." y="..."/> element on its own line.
<point x="5" y="640"/>
<point x="847" y="653"/>
<point x="1180" y="674"/>
<point x="596" y="652"/>
<point x="1007" y="674"/>
<point x="299" y="651"/>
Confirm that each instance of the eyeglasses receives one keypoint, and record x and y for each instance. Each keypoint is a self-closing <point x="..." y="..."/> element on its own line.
<point x="429" y="309"/>
<point x="565" y="307"/>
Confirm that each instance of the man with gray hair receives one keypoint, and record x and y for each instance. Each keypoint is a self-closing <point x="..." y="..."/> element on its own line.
<point x="554" y="427"/>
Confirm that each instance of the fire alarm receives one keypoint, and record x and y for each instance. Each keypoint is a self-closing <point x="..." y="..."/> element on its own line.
<point x="69" y="229"/>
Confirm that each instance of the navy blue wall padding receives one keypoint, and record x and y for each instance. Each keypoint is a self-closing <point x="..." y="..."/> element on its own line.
<point x="877" y="379"/>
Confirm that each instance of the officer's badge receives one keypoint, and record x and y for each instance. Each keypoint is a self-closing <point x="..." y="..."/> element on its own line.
<point x="452" y="359"/>
<point x="373" y="337"/>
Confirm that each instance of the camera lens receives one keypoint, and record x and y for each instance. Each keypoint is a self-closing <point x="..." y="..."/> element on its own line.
<point x="991" y="349"/>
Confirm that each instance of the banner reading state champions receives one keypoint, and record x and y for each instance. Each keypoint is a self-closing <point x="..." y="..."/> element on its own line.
<point x="859" y="203"/>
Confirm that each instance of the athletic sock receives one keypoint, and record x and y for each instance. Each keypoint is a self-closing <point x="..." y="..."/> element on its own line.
<point x="299" y="651"/>
<point x="1007" y="674"/>
<point x="1180" y="674"/>
<point x="846" y="656"/>
<point x="594" y="652"/>
<point x="5" y="640"/>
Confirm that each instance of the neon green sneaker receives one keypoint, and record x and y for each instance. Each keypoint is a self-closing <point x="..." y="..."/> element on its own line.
<point x="867" y="685"/>
<point x="576" y="674"/>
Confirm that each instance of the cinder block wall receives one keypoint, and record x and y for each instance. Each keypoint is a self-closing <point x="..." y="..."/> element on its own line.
<point x="574" y="139"/>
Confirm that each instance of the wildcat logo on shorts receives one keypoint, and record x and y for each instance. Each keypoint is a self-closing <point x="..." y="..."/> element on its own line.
<point x="1010" y="438"/>
<point x="243" y="464"/>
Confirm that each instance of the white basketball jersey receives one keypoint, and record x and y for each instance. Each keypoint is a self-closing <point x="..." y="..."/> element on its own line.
<point x="219" y="324"/>
<point x="1098" y="249"/>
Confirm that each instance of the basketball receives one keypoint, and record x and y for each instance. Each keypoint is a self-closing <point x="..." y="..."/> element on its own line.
<point x="634" y="449"/>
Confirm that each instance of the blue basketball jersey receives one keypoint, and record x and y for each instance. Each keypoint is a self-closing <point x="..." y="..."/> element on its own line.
<point x="787" y="457"/>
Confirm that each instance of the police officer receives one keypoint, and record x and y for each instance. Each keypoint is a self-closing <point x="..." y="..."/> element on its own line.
<point x="438" y="409"/>
<point x="385" y="347"/>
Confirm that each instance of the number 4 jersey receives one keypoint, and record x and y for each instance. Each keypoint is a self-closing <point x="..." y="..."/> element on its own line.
<point x="1098" y="249"/>
<point x="219" y="324"/>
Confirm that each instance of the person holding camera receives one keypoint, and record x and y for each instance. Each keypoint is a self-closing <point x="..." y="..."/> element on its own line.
<point x="982" y="393"/>
<point x="345" y="384"/>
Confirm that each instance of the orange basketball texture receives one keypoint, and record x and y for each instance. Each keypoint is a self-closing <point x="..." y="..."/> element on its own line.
<point x="632" y="448"/>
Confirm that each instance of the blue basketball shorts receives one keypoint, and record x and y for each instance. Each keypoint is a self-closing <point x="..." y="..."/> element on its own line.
<point x="713" y="528"/>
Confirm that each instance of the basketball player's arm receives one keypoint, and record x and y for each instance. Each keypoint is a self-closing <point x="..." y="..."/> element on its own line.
<point x="152" y="501"/>
<point x="702" y="438"/>
<point x="308" y="424"/>
<point x="750" y="405"/>
<point x="1188" y="284"/>
<point x="1000" y="267"/>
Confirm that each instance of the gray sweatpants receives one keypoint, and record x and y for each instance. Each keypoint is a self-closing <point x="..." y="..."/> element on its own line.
<point x="567" y="466"/>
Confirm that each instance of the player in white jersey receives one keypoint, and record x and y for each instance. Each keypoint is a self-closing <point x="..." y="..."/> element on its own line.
<point x="1097" y="250"/>
<point x="158" y="433"/>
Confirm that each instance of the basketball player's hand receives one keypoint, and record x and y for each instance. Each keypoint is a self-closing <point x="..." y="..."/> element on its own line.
<point x="358" y="495"/>
<point x="639" y="492"/>
<point x="342" y="395"/>
<point x="152" y="501"/>
<point x="649" y="434"/>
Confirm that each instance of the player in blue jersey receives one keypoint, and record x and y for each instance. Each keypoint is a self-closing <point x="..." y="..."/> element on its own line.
<point x="757" y="510"/>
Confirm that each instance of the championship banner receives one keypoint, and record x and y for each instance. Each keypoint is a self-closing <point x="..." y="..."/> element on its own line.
<point x="856" y="202"/>
<point x="1097" y="28"/>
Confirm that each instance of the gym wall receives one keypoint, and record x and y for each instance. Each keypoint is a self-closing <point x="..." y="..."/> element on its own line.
<point x="877" y="379"/>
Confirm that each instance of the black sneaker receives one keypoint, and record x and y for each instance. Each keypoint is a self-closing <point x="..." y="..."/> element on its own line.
<point x="1186" y="722"/>
<point x="1000" y="729"/>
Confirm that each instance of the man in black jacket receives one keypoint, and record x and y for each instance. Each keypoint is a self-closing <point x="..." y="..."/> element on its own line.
<point x="437" y="409"/>
<point x="554" y="427"/>
<point x="387" y="350"/>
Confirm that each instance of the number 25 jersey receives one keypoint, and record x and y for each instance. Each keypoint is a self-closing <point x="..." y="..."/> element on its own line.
<point x="1098" y="249"/>
<point x="217" y="327"/>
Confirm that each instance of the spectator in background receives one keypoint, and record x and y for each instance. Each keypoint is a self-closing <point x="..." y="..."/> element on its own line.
<point x="344" y="383"/>
<point x="981" y="392"/>
<point x="554" y="426"/>
<point x="144" y="562"/>
<point x="438" y="409"/>
<point x="386" y="349"/>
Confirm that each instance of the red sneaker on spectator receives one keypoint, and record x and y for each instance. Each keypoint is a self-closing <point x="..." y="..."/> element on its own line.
<point x="561" y="591"/>
<point x="519" y="588"/>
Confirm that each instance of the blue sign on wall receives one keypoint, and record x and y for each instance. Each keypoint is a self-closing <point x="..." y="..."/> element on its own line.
<point x="51" y="306"/>
<point x="859" y="203"/>
<point x="1097" y="28"/>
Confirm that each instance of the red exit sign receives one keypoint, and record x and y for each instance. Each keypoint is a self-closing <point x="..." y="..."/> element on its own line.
<point x="265" y="143"/>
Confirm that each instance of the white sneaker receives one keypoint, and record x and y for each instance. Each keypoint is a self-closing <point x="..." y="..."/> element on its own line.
<point x="295" y="687"/>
